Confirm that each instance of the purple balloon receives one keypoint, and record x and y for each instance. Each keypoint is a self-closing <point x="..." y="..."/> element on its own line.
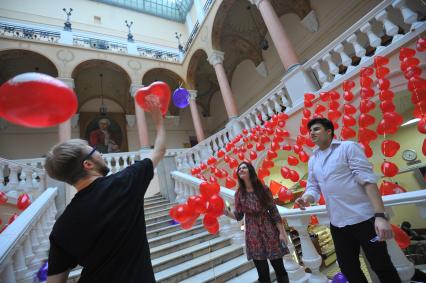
<point x="173" y="222"/>
<point x="42" y="273"/>
<point x="181" y="97"/>
<point x="339" y="278"/>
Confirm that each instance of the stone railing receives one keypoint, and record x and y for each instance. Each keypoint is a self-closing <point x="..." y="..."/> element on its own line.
<point x="385" y="18"/>
<point x="17" y="177"/>
<point x="186" y="186"/>
<point x="23" y="32"/>
<point x="102" y="44"/>
<point x="380" y="29"/>
<point x="25" y="242"/>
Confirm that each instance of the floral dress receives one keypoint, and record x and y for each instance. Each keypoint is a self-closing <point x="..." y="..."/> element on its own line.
<point x="262" y="234"/>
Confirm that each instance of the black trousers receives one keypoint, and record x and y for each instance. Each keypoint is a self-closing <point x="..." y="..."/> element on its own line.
<point x="349" y="239"/>
<point x="263" y="270"/>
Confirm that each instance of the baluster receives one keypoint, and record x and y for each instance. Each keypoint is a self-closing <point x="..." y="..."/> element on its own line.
<point x="28" y="173"/>
<point x="246" y="123"/>
<point x="409" y="16"/>
<point x="275" y="102"/>
<point x="310" y="256"/>
<point x="344" y="58"/>
<point x="252" y="120"/>
<point x="19" y="266"/>
<point x="42" y="238"/>
<point x="13" y="178"/>
<point x="30" y="259"/>
<point x="332" y="68"/>
<point x="359" y="50"/>
<point x="42" y="182"/>
<point x="2" y="167"/>
<point x="197" y="157"/>
<point x="263" y="113"/>
<point x="8" y="275"/>
<point x="322" y="77"/>
<point x="295" y="272"/>
<point x="108" y="160"/>
<point x="373" y="39"/>
<point x="215" y="146"/>
<point x="258" y="121"/>
<point x="269" y="108"/>
<point x="390" y="28"/>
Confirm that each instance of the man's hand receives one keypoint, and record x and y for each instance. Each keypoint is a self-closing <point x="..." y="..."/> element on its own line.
<point x="304" y="201"/>
<point x="383" y="229"/>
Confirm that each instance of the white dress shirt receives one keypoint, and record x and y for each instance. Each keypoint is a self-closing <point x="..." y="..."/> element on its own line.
<point x="340" y="173"/>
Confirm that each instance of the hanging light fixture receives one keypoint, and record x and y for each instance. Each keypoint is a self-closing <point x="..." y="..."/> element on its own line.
<point x="264" y="44"/>
<point x="102" y="109"/>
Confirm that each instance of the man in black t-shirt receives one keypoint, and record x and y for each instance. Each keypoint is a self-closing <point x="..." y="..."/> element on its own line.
<point x="103" y="228"/>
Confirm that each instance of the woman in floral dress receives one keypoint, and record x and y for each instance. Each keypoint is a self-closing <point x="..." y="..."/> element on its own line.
<point x="263" y="224"/>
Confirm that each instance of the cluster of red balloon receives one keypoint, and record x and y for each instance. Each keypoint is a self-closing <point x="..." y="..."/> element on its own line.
<point x="416" y="84"/>
<point x="160" y="90"/>
<point x="348" y="111"/>
<point x="36" y="100"/>
<point x="208" y="202"/>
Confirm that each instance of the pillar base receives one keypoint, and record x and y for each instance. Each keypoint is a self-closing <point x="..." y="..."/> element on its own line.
<point x="298" y="82"/>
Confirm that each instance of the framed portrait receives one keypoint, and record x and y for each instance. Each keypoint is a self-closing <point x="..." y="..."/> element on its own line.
<point x="107" y="132"/>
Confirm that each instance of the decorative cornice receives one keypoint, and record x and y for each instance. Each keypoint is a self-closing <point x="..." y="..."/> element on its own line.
<point x="216" y="57"/>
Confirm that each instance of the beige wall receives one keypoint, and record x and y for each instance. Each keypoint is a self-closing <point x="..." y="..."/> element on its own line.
<point x="146" y="28"/>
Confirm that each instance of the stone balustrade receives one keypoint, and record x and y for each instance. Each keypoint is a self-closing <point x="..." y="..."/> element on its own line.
<point x="25" y="242"/>
<point x="186" y="186"/>
<point x="18" y="177"/>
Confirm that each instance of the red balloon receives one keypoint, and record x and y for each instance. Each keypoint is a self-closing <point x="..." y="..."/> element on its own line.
<point x="386" y="127"/>
<point x="401" y="238"/>
<point x="220" y="153"/>
<point x="230" y="182"/>
<point x="405" y="52"/>
<point x="208" y="189"/>
<point x="211" y="160"/>
<point x="321" y="201"/>
<point x="241" y="156"/>
<point x="309" y="96"/>
<point x="389" y="169"/>
<point x="324" y="96"/>
<point x="159" y="89"/>
<point x="366" y="106"/>
<point x="393" y="117"/>
<point x="365" y="82"/>
<point x="412" y="71"/>
<point x="333" y="115"/>
<point x="366" y="135"/>
<point x="303" y="156"/>
<point x="285" y="195"/>
<point x="297" y="148"/>
<point x="294" y="176"/>
<point x="334" y="105"/>
<point x="213" y="229"/>
<point x="36" y="100"/>
<point x="409" y="62"/>
<point x="308" y="103"/>
<point x="286" y="147"/>
<point x="188" y="223"/>
<point x="348" y="120"/>
<point x="386" y="95"/>
<point x="228" y="147"/>
<point x="303" y="130"/>
<point x="380" y="61"/>
<point x="267" y="163"/>
<point x="181" y="213"/>
<point x="348" y="85"/>
<point x="285" y="172"/>
<point x="314" y="220"/>
<point x="387" y="188"/>
<point x="319" y="109"/>
<point x="390" y="148"/>
<point x="275" y="146"/>
<point x="420" y="109"/>
<point x="347" y="133"/>
<point x="398" y="189"/>
<point x="348" y="96"/>
<point x="253" y="155"/>
<point x="366" y="93"/>
<point x="421" y="44"/>
<point x="367" y="149"/>
<point x="209" y="220"/>
<point x="271" y="154"/>
<point x="263" y="172"/>
<point x="197" y="204"/>
<point x="306" y="113"/>
<point x="12" y="218"/>
<point x="384" y="84"/>
<point x="260" y="147"/>
<point x="302" y="183"/>
<point x="334" y="95"/>
<point x="366" y="71"/>
<point x="293" y="161"/>
<point x="349" y="109"/>
<point x="421" y="125"/>
<point x="203" y="166"/>
<point x="3" y="198"/>
<point x="309" y="142"/>
<point x="215" y="205"/>
<point x="365" y="120"/>
<point x="23" y="201"/>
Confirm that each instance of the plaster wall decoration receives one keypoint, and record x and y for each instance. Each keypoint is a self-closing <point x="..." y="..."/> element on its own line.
<point x="65" y="56"/>
<point x="311" y="21"/>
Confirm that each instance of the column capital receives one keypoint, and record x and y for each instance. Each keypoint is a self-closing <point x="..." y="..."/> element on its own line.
<point x="133" y="88"/>
<point x="216" y="57"/>
<point x="68" y="81"/>
<point x="193" y="94"/>
<point x="256" y="2"/>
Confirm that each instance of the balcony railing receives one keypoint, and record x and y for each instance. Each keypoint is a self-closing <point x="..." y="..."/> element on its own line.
<point x="88" y="42"/>
<point x="26" y="33"/>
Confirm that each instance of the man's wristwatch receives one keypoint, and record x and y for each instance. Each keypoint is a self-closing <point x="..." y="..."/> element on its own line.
<point x="381" y="215"/>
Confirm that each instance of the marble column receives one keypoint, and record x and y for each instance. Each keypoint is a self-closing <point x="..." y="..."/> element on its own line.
<point x="64" y="129"/>
<point x="196" y="116"/>
<point x="278" y="34"/>
<point x="140" y="119"/>
<point x="216" y="60"/>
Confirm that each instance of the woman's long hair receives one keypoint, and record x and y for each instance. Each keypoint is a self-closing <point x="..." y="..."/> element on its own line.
<point x="259" y="189"/>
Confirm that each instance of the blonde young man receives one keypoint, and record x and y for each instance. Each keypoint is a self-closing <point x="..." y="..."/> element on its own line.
<point x="103" y="228"/>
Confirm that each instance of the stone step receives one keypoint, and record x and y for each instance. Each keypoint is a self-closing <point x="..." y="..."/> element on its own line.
<point x="151" y="204"/>
<point x="156" y="219"/>
<point x="167" y="230"/>
<point x="156" y="213"/>
<point x="181" y="244"/>
<point x="189" y="253"/>
<point x="224" y="271"/>
<point x="251" y="275"/>
<point x="161" y="240"/>
<point x="192" y="267"/>
<point x="158" y="225"/>
<point x="154" y="198"/>
<point x="158" y="207"/>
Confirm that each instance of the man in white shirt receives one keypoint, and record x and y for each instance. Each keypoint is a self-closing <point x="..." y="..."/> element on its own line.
<point x="341" y="172"/>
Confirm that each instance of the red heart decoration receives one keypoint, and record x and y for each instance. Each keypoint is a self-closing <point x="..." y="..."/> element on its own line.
<point x="159" y="89"/>
<point x="23" y="201"/>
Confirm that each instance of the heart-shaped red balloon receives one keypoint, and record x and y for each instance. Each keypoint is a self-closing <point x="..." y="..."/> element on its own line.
<point x="36" y="100"/>
<point x="159" y="89"/>
<point x="421" y="44"/>
<point x="347" y="133"/>
<point x="389" y="169"/>
<point x="23" y="201"/>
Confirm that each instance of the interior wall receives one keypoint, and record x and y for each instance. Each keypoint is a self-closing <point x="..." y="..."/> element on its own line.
<point x="146" y="28"/>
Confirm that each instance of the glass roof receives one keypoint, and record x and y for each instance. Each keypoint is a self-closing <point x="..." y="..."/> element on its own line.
<point x="175" y="10"/>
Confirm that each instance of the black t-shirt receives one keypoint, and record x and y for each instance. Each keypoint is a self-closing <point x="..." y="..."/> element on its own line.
<point x="103" y="229"/>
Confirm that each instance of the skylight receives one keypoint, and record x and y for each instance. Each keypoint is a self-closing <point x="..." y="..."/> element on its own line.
<point x="175" y="10"/>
